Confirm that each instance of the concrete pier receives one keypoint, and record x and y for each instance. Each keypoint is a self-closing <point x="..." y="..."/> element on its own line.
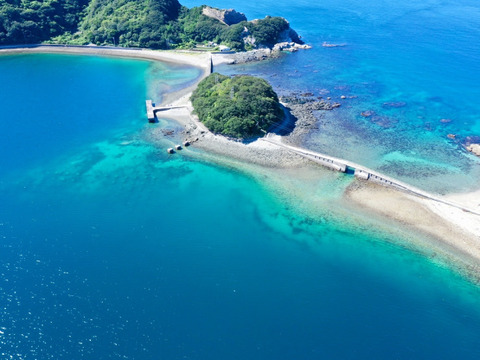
<point x="152" y="109"/>
<point x="364" y="173"/>
<point x="150" y="112"/>
<point x="360" y="174"/>
<point x="327" y="163"/>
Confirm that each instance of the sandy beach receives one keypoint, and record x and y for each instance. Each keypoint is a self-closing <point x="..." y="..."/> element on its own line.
<point x="449" y="232"/>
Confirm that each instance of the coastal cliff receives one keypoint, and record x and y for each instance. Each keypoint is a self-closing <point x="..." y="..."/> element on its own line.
<point x="227" y="17"/>
<point x="152" y="24"/>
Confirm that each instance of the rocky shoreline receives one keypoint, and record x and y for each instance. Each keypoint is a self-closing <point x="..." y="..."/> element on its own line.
<point x="259" y="54"/>
<point x="304" y="112"/>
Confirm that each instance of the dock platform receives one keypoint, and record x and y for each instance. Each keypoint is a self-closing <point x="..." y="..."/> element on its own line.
<point x="150" y="112"/>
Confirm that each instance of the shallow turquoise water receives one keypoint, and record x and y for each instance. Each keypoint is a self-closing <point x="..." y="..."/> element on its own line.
<point x="422" y="54"/>
<point x="111" y="249"/>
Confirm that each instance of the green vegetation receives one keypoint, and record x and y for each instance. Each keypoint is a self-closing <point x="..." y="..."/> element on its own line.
<point x="141" y="23"/>
<point x="156" y="24"/>
<point x="240" y="107"/>
<point x="31" y="22"/>
<point x="200" y="28"/>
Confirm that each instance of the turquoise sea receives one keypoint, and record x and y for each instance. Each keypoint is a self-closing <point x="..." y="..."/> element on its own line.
<point x="112" y="249"/>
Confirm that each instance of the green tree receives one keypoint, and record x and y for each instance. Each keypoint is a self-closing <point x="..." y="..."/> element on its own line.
<point x="26" y="21"/>
<point x="240" y="107"/>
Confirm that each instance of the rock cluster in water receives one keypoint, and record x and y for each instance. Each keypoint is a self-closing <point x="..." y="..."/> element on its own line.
<point x="303" y="108"/>
<point x="264" y="53"/>
<point x="308" y="103"/>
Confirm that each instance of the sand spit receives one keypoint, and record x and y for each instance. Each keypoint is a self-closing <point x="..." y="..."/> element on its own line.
<point x="452" y="233"/>
<point x="201" y="60"/>
<point x="437" y="229"/>
<point x="447" y="231"/>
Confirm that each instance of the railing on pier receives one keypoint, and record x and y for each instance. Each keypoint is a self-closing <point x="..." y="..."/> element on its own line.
<point x="364" y="173"/>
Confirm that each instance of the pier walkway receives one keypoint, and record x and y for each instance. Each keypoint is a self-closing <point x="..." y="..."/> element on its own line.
<point x="152" y="109"/>
<point x="362" y="172"/>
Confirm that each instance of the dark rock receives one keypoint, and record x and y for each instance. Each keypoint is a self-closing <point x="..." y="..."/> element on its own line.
<point x="383" y="121"/>
<point x="368" y="113"/>
<point x="473" y="139"/>
<point x="398" y="104"/>
<point x="168" y="132"/>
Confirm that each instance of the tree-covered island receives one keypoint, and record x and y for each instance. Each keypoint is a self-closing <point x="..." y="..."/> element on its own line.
<point x="155" y="24"/>
<point x="239" y="106"/>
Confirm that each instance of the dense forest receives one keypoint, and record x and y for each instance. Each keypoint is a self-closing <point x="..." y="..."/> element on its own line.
<point x="156" y="24"/>
<point x="27" y="22"/>
<point x="240" y="106"/>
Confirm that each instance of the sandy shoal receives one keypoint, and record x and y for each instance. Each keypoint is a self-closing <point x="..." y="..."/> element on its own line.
<point x="437" y="228"/>
<point x="448" y="231"/>
<point x="452" y="233"/>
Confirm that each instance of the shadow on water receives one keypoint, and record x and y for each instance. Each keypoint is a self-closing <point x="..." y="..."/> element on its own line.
<point x="287" y="126"/>
<point x="350" y="170"/>
<point x="283" y="128"/>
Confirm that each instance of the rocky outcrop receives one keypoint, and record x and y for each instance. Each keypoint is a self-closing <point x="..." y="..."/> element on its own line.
<point x="289" y="46"/>
<point x="268" y="46"/>
<point x="290" y="35"/>
<point x="307" y="103"/>
<point x="228" y="17"/>
<point x="249" y="56"/>
<point x="474" y="148"/>
<point x="306" y="110"/>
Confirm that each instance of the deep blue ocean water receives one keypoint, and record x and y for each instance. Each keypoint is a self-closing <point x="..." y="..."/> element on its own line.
<point x="111" y="249"/>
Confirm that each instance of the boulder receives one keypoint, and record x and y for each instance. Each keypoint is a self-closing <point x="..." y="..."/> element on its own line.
<point x="474" y="148"/>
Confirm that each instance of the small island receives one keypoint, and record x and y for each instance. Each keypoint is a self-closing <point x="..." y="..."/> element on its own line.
<point x="239" y="107"/>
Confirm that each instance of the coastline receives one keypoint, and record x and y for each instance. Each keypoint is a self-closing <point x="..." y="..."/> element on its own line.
<point x="201" y="61"/>
<point x="448" y="232"/>
<point x="439" y="230"/>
